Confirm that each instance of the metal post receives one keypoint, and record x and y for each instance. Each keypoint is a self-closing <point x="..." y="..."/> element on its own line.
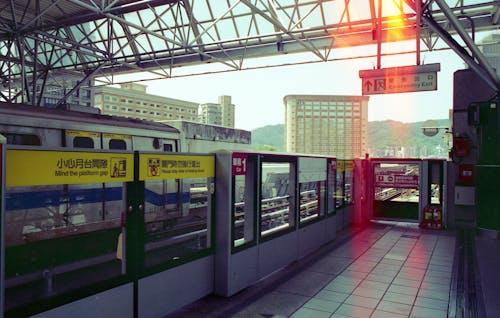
<point x="460" y="51"/>
<point x="35" y="67"/>
<point x="418" y="9"/>
<point x="483" y="61"/>
<point x="2" y="222"/>
<point x="135" y="238"/>
<point x="379" y="36"/>
<point x="134" y="222"/>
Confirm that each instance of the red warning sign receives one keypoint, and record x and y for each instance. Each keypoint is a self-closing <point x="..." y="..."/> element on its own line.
<point x="239" y="164"/>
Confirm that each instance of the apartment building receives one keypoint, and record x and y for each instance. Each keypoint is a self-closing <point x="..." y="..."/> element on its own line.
<point x="332" y="125"/>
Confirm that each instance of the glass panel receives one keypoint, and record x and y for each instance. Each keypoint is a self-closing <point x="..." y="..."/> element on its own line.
<point x="435" y="193"/>
<point x="60" y="238"/>
<point x="177" y="214"/>
<point x="167" y="148"/>
<point x="396" y="182"/>
<point x="331" y="188"/>
<point x="22" y="139"/>
<point x="311" y="200"/>
<point x="244" y="212"/>
<point x="348" y="186"/>
<point x="277" y="193"/>
<point x="117" y="144"/>
<point x="339" y="189"/>
<point x="435" y="176"/>
<point x="83" y="142"/>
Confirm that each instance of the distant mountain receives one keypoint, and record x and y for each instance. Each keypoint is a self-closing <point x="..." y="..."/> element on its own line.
<point x="268" y="138"/>
<point x="383" y="137"/>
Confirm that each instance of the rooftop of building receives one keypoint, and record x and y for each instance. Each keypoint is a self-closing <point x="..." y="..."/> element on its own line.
<point x="194" y="130"/>
<point x="327" y="97"/>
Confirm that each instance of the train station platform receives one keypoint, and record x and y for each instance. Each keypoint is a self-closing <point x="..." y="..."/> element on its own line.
<point x="379" y="270"/>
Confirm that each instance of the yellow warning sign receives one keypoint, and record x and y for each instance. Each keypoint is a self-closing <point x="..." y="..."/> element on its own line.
<point x="117" y="136"/>
<point x="344" y="165"/>
<point x="39" y="167"/>
<point x="155" y="166"/>
<point x="76" y="133"/>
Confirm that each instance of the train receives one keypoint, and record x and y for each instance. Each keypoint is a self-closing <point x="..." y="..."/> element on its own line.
<point x="86" y="128"/>
<point x="54" y="232"/>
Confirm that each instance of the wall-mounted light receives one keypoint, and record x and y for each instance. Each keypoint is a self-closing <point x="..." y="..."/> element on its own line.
<point x="430" y="128"/>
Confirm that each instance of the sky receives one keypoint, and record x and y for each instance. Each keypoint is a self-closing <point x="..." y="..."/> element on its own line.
<point x="258" y="94"/>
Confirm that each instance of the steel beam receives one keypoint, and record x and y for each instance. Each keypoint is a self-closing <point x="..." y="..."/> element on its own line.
<point x="483" y="62"/>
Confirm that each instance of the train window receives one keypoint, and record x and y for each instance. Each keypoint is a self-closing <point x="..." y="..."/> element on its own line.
<point x="117" y="144"/>
<point x="167" y="148"/>
<point x="277" y="206"/>
<point x="22" y="139"/>
<point x="83" y="142"/>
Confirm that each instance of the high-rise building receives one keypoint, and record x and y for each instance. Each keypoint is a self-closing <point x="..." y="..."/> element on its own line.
<point x="131" y="100"/>
<point x="491" y="50"/>
<point x="326" y="124"/>
<point x="221" y="114"/>
<point x="56" y="89"/>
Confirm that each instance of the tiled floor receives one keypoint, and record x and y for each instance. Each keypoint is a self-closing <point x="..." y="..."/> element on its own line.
<point x="396" y="271"/>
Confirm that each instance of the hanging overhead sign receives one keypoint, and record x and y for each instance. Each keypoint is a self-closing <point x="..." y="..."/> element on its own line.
<point x="400" y="79"/>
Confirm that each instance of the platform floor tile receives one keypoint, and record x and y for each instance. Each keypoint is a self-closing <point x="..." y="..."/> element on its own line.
<point x="398" y="271"/>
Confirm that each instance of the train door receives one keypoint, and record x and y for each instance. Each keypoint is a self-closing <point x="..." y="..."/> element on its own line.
<point x="85" y="202"/>
<point x="97" y="203"/>
<point x="396" y="189"/>
<point x="114" y="208"/>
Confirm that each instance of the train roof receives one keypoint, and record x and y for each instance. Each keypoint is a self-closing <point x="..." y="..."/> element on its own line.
<point x="278" y="154"/>
<point x="82" y="117"/>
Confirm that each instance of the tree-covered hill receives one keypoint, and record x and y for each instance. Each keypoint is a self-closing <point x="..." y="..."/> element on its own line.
<point x="382" y="136"/>
<point x="268" y="138"/>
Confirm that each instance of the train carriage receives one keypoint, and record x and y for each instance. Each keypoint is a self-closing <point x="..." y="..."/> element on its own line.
<point x="56" y="232"/>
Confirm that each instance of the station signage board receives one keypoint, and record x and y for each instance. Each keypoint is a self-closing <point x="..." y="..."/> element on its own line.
<point x="395" y="179"/>
<point x="159" y="167"/>
<point x="333" y="165"/>
<point x="344" y="165"/>
<point x="399" y="79"/>
<point x="41" y="167"/>
<point x="239" y="164"/>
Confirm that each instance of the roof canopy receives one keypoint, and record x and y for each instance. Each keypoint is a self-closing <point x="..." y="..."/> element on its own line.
<point x="40" y="40"/>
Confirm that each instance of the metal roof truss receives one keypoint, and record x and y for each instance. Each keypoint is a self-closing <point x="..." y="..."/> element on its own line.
<point x="49" y="44"/>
